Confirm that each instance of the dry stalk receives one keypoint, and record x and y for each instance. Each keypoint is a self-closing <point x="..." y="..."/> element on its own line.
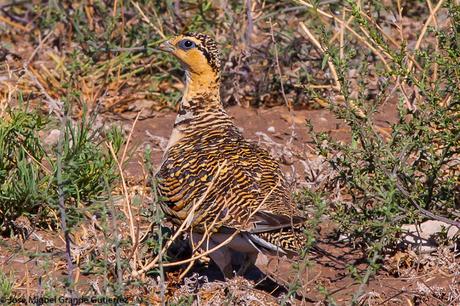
<point x="278" y="68"/>
<point x="127" y="209"/>
<point x="250" y="23"/>
<point x="229" y="239"/>
<point x="400" y="18"/>
<point x="337" y="34"/>
<point x="190" y="265"/>
<point x="337" y="86"/>
<point x="206" y="236"/>
<point x="123" y="156"/>
<point x="8" y="95"/>
<point x="207" y="232"/>
<point x="44" y="168"/>
<point x="40" y="45"/>
<point x="436" y="48"/>
<point x="158" y="29"/>
<point x="114" y="13"/>
<point x="194" y="258"/>
<point x="433" y="12"/>
<point x="359" y="37"/>
<point x="317" y="44"/>
<point x="184" y="226"/>
<point x="143" y="195"/>
<point x="14" y="24"/>
<point x="53" y="105"/>
<point x="342" y="35"/>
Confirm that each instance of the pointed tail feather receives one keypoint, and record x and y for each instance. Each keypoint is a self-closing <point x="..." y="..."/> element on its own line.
<point x="288" y="241"/>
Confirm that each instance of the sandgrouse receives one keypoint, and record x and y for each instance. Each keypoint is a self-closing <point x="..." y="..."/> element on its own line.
<point x="226" y="187"/>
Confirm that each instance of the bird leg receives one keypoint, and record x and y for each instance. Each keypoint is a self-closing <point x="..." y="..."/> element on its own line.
<point x="248" y="261"/>
<point x="222" y="257"/>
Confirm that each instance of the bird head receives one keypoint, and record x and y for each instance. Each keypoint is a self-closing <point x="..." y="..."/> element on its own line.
<point x="197" y="52"/>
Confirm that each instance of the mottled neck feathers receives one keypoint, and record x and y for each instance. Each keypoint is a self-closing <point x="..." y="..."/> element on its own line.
<point x="200" y="105"/>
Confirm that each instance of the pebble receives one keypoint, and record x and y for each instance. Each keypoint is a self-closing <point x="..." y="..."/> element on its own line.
<point x="424" y="237"/>
<point x="52" y="138"/>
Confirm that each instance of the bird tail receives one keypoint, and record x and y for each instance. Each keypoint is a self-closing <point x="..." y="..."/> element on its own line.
<point x="286" y="241"/>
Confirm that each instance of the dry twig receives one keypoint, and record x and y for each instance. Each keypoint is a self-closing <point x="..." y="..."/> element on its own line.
<point x="127" y="210"/>
<point x="184" y="226"/>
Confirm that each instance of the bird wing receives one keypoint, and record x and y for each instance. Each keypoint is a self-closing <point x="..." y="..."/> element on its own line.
<point x="240" y="184"/>
<point x="264" y="221"/>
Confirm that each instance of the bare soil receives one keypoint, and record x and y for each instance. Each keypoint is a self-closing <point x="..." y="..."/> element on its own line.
<point x="406" y="279"/>
<point x="283" y="133"/>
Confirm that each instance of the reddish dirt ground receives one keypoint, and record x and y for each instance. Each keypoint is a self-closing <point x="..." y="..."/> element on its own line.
<point x="327" y="265"/>
<point x="272" y="128"/>
<point x="290" y="143"/>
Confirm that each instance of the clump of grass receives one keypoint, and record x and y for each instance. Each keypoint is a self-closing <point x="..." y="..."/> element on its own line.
<point x="6" y="285"/>
<point x="28" y="167"/>
<point x="23" y="179"/>
<point x="87" y="161"/>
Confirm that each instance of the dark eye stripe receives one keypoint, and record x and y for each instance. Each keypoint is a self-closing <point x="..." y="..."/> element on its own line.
<point x="207" y="55"/>
<point x="209" y="49"/>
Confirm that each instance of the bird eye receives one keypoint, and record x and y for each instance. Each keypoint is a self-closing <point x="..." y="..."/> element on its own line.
<point x="186" y="44"/>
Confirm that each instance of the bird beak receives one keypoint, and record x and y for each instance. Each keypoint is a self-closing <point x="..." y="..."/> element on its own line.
<point x="167" y="46"/>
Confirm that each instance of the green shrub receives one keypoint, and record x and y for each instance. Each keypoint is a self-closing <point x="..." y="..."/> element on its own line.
<point x="6" y="285"/>
<point x="22" y="178"/>
<point x="412" y="173"/>
<point x="28" y="168"/>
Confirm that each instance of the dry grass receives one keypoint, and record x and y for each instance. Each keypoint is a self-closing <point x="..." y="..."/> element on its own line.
<point x="73" y="59"/>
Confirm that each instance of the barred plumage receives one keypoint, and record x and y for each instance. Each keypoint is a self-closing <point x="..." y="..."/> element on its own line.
<point x="237" y="184"/>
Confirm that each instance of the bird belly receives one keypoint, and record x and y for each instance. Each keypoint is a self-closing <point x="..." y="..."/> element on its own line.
<point x="239" y="243"/>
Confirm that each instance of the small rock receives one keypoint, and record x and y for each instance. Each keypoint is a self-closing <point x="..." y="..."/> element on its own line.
<point x="352" y="73"/>
<point x="424" y="238"/>
<point x="271" y="129"/>
<point x="344" y="238"/>
<point x="262" y="259"/>
<point x="126" y="128"/>
<point x="287" y="157"/>
<point x="52" y="138"/>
